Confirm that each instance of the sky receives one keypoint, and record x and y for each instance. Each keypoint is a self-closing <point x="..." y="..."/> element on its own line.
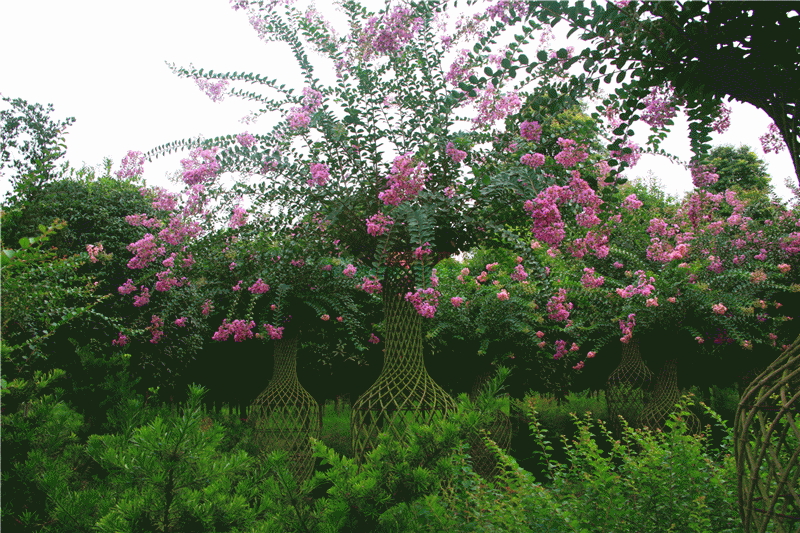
<point x="104" y="64"/>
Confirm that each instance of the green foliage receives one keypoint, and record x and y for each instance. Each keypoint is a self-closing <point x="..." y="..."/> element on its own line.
<point x="40" y="295"/>
<point x="39" y="152"/>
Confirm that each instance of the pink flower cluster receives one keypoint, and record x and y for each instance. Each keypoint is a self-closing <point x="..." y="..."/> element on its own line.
<point x="142" y="220"/>
<point x="390" y="34"/>
<point x="456" y="301"/>
<point x="455" y="154"/>
<point x="145" y="250"/>
<point x="319" y="174"/>
<point x="642" y="288"/>
<point x="240" y="329"/>
<point x="405" y="181"/>
<point x="502" y="10"/>
<point x="589" y="280"/>
<point x="534" y="160"/>
<point x="491" y="106"/>
<point x="547" y="223"/>
<point x="215" y="91"/>
<point x="627" y="328"/>
<point x="207" y="307"/>
<point x="201" y="165"/>
<point x="163" y="200"/>
<point x="238" y="217"/>
<point x="372" y="286"/>
<point x="245" y="139"/>
<point x="132" y="166"/>
<point x="660" y="106"/>
<point x="122" y="340"/>
<point x="703" y="175"/>
<point x="772" y="141"/>
<point x="165" y="282"/>
<point x="93" y="251"/>
<point x="425" y="301"/>
<point x="156" y="325"/>
<point x="259" y="287"/>
<point x="723" y="122"/>
<point x="555" y="306"/>
<point x="570" y="153"/>
<point x="530" y="131"/>
<point x="631" y="158"/>
<point x="274" y="333"/>
<point x="631" y="202"/>
<point x="459" y="70"/>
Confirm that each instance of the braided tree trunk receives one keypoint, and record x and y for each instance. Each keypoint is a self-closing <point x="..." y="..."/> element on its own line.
<point x="403" y="392"/>
<point x="662" y="403"/>
<point x="628" y="388"/>
<point x="767" y="447"/>
<point x="285" y="415"/>
<point x="498" y="425"/>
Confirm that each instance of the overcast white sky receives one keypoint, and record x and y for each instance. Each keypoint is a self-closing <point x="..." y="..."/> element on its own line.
<point x="103" y="62"/>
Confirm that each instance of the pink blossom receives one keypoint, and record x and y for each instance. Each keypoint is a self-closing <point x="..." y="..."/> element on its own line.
<point x="259" y="287"/>
<point x="339" y="318"/>
<point x="373" y="339"/>
<point x="456" y="301"/>
<point x="591" y="355"/>
<point x="758" y="276"/>
<point x="719" y="308"/>
<point x="631" y="202"/>
<point x="298" y="118"/>
<point x="699" y="340"/>
<point x="532" y="160"/>
<point x="215" y="91"/>
<point x="492" y="107"/>
<point x="459" y="69"/>
<point x="530" y="131"/>
<point x="783" y="267"/>
<point x="93" y="251"/>
<point x="455" y="154"/>
<point x="659" y="106"/>
<point x="502" y="295"/>
<point x="349" y="271"/>
<point x="245" y="139"/>
<point x="652" y="302"/>
<point x="578" y="366"/>
<point x="202" y="165"/>
<point x="122" y="340"/>
<point x="312" y="99"/>
<point x="570" y="154"/>
<point x="207" y="307"/>
<point x="723" y="122"/>
<point x="772" y="141"/>
<point x="132" y="166"/>
<point x="319" y="174"/>
<point x="589" y="280"/>
<point x="377" y="223"/>
<point x="181" y="322"/>
<point x="143" y="299"/>
<point x="519" y="273"/>
<point x="371" y="286"/>
<point x="325" y="317"/>
<point x="274" y="333"/>
<point x="238" y="217"/>
<point x="127" y="288"/>
<point x="405" y="181"/>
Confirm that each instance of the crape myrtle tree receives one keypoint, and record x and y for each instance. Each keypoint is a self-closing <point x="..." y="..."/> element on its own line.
<point x="389" y="156"/>
<point x="692" y="54"/>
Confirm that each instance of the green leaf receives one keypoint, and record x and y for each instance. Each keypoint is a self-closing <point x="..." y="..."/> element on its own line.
<point x="562" y="53"/>
<point x="6" y="256"/>
<point x="42" y="228"/>
<point x="473" y="79"/>
<point x="488" y="71"/>
<point x="505" y="63"/>
<point x="542" y="55"/>
<point x="620" y="76"/>
<point x="24" y="243"/>
<point x="523" y="59"/>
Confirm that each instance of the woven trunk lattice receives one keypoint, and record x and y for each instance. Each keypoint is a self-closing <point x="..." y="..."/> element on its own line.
<point x="498" y="425"/>
<point x="767" y="447"/>
<point x="662" y="403"/>
<point x="403" y="392"/>
<point x="285" y="415"/>
<point x="628" y="388"/>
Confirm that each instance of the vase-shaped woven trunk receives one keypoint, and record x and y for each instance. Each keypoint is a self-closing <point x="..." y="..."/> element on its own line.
<point x="628" y="388"/>
<point x="285" y="415"/>
<point x="498" y="425"/>
<point x="404" y="392"/>
<point x="767" y="447"/>
<point x="662" y="402"/>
